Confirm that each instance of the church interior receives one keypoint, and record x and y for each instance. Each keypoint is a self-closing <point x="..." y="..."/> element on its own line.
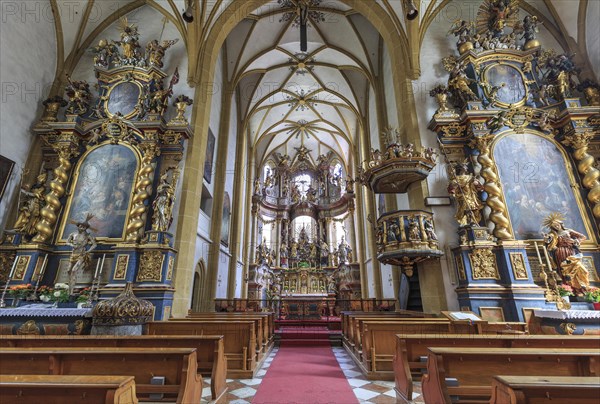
<point x="300" y="201"/>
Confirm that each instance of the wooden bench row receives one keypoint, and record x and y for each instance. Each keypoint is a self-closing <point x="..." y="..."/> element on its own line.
<point x="169" y="373"/>
<point x="545" y="389"/>
<point x="411" y="350"/>
<point x="371" y="341"/>
<point x="210" y="349"/>
<point x="53" y="389"/>
<point x="466" y="374"/>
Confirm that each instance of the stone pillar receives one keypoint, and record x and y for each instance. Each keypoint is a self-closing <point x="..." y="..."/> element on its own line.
<point x="278" y="241"/>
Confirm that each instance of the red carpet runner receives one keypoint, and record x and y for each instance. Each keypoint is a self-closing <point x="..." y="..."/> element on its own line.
<point x="303" y="374"/>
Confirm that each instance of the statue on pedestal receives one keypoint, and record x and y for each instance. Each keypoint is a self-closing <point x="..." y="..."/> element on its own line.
<point x="80" y="240"/>
<point x="163" y="204"/>
<point x="30" y="206"/>
<point x="466" y="188"/>
<point x="564" y="243"/>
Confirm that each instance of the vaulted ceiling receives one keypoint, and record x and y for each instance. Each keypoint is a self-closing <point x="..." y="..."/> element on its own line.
<point x="315" y="98"/>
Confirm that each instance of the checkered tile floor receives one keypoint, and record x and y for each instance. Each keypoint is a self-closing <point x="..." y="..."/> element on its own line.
<point x="241" y="391"/>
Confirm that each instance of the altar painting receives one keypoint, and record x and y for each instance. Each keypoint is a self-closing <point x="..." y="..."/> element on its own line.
<point x="535" y="183"/>
<point x="103" y="188"/>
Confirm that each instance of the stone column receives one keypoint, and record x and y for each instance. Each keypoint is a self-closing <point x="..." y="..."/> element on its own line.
<point x="278" y="241"/>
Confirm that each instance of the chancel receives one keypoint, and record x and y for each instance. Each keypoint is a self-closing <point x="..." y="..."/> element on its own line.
<point x="300" y="201"/>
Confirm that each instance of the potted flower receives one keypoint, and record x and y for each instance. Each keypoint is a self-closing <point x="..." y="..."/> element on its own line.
<point x="593" y="296"/>
<point x="20" y="292"/>
<point x="565" y="291"/>
<point x="45" y="293"/>
<point x="84" y="296"/>
<point x="61" y="293"/>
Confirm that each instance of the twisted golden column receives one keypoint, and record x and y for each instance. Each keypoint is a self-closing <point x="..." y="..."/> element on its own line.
<point x="144" y="180"/>
<point x="45" y="227"/>
<point x="585" y="164"/>
<point x="499" y="214"/>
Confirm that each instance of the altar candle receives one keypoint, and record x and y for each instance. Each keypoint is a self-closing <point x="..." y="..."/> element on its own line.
<point x="547" y="259"/>
<point x="537" y="250"/>
<point x="42" y="269"/>
<point x="12" y="270"/>
<point x="97" y="266"/>
<point x="102" y="264"/>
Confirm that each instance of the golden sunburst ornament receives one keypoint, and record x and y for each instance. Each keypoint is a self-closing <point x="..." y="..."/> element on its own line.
<point x="553" y="218"/>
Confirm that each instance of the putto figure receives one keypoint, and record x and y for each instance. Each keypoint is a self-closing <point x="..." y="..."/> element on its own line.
<point x="79" y="96"/>
<point x="563" y="244"/>
<point x="155" y="51"/>
<point x="80" y="259"/>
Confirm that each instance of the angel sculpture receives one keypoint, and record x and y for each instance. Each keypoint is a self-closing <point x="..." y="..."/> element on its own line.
<point x="530" y="28"/>
<point x="79" y="96"/>
<point x="458" y="82"/>
<point x="104" y="53"/>
<point x="155" y="51"/>
<point x="129" y="42"/>
<point x="463" y="30"/>
<point x="491" y="93"/>
<point x="497" y="122"/>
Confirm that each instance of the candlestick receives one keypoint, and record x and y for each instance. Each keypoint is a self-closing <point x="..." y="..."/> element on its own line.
<point x="537" y="250"/>
<point x="10" y="275"/>
<point x="40" y="274"/>
<point x="547" y="258"/>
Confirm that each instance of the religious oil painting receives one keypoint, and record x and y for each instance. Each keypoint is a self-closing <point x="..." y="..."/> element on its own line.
<point x="6" y="168"/>
<point x="210" y="154"/>
<point x="225" y="223"/>
<point x="509" y="80"/>
<point x="103" y="188"/>
<point x="123" y="98"/>
<point x="535" y="183"/>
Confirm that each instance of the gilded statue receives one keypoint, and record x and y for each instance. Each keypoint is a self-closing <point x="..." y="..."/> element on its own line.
<point x="155" y="51"/>
<point x="129" y="42"/>
<point x="563" y="244"/>
<point x="79" y="96"/>
<point x="591" y="90"/>
<point x="465" y="188"/>
<point x="30" y="206"/>
<point x="80" y="259"/>
<point x="414" y="234"/>
<point x="158" y="98"/>
<point x="104" y="53"/>
<point x="344" y="251"/>
<point x="163" y="204"/>
<point x="429" y="229"/>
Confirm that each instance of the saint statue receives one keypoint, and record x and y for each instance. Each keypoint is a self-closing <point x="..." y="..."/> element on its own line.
<point x="466" y="188"/>
<point x="563" y="244"/>
<point x="344" y="251"/>
<point x="129" y="42"/>
<point x="30" y="206"/>
<point x="163" y="205"/>
<point x="80" y="256"/>
<point x="414" y="234"/>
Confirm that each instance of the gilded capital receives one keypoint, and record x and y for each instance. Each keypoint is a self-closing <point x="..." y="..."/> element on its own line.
<point x="578" y="140"/>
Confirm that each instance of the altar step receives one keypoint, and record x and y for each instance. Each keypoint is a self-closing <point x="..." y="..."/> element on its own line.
<point x="308" y="335"/>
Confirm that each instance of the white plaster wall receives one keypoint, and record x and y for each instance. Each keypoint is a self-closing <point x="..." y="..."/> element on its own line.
<point x="388" y="85"/>
<point x="387" y="285"/>
<point x="27" y="68"/>
<point x="370" y="279"/>
<point x="593" y="35"/>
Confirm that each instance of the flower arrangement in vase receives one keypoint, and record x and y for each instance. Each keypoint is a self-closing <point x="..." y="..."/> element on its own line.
<point x="593" y="296"/>
<point x="19" y="292"/>
<point x="61" y="293"/>
<point x="45" y="293"/>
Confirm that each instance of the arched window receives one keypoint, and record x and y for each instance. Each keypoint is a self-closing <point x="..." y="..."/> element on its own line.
<point x="303" y="182"/>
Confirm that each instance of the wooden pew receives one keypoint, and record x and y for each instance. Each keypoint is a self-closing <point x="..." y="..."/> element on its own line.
<point x="357" y="327"/>
<point x="379" y="342"/>
<point x="268" y="314"/>
<point x="474" y="369"/>
<point x="239" y="340"/>
<point x="54" y="389"/>
<point x="545" y="389"/>
<point x="264" y="338"/>
<point x="177" y="365"/>
<point x="411" y="348"/>
<point x="210" y="349"/>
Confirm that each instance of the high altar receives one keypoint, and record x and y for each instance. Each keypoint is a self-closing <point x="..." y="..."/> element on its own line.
<point x="102" y="205"/>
